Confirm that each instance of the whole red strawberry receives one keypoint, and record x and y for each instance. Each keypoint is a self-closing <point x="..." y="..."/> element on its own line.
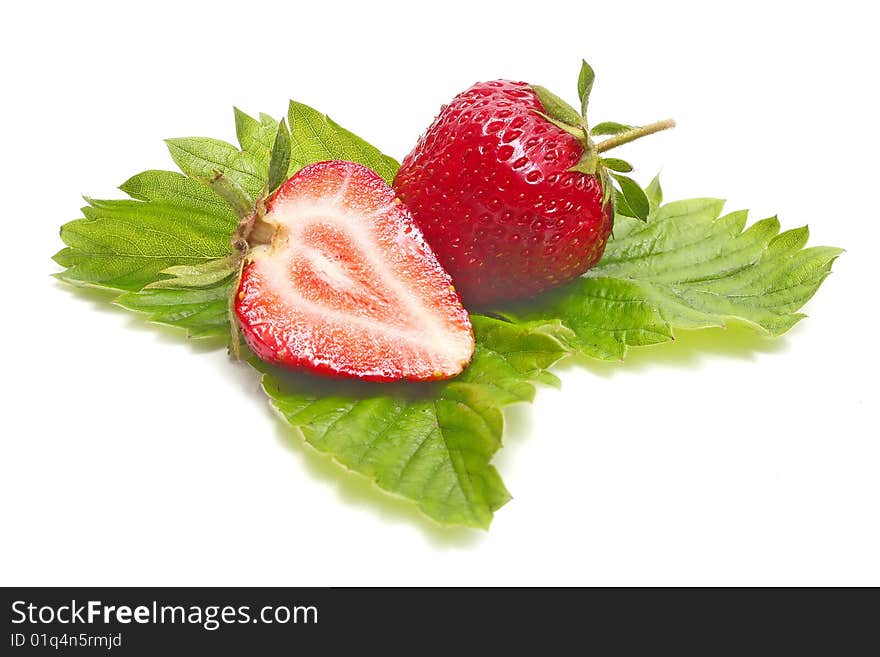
<point x="510" y="191"/>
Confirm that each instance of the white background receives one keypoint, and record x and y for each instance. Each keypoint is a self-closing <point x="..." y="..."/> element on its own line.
<point x="131" y="457"/>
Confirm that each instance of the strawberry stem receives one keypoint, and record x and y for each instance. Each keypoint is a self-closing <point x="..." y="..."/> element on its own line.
<point x="632" y="135"/>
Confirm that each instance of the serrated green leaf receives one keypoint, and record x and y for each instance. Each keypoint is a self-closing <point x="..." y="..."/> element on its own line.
<point x="256" y="137"/>
<point x="688" y="268"/>
<point x="200" y="157"/>
<point x="556" y="108"/>
<point x="201" y="312"/>
<point x="316" y="137"/>
<point x="616" y="164"/>
<point x="586" y="77"/>
<point x="635" y="202"/>
<point x="124" y="244"/>
<point x="610" y="128"/>
<point x="175" y="189"/>
<point x="433" y="447"/>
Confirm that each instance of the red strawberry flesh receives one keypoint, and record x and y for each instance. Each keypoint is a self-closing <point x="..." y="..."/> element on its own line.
<point x="348" y="286"/>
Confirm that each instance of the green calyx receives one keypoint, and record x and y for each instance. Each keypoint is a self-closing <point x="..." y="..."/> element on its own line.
<point x="625" y="195"/>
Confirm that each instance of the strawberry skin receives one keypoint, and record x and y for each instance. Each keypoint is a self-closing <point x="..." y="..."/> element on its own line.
<point x="347" y="285"/>
<point x="489" y="186"/>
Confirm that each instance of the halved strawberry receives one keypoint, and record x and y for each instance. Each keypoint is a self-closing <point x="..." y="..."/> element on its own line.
<point x="346" y="284"/>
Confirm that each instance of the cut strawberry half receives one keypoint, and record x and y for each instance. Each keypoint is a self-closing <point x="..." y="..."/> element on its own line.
<point x="346" y="284"/>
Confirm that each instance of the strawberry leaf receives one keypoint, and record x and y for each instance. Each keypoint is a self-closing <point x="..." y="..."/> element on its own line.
<point x="316" y="137"/>
<point x="178" y="191"/>
<point x="125" y="244"/>
<point x="432" y="447"/>
<point x="202" y="313"/>
<point x="200" y="157"/>
<point x="256" y="137"/>
<point x="166" y="251"/>
<point x="688" y="268"/>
